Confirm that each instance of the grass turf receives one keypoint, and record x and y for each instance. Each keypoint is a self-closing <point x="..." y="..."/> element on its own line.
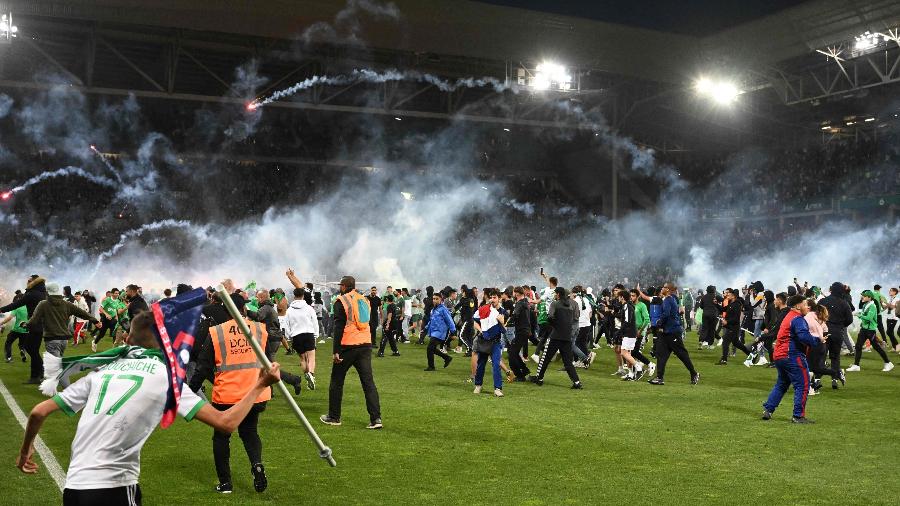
<point x="612" y="442"/>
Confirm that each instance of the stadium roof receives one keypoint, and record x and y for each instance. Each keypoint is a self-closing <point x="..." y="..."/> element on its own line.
<point x="479" y="30"/>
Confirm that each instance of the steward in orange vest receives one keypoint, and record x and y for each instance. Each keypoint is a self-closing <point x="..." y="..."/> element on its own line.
<point x="352" y="348"/>
<point x="237" y="368"/>
<point x="236" y="371"/>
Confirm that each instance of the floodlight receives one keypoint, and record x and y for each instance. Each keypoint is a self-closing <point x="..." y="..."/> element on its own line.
<point x="407" y="195"/>
<point x="724" y="93"/>
<point x="721" y="91"/>
<point x="7" y="29"/>
<point x="551" y="75"/>
<point x="704" y="85"/>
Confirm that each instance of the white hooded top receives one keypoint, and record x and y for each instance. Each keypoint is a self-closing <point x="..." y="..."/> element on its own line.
<point x="300" y="319"/>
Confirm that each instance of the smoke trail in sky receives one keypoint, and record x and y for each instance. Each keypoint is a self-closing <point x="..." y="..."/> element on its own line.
<point x="132" y="234"/>
<point x="64" y="172"/>
<point x="371" y="76"/>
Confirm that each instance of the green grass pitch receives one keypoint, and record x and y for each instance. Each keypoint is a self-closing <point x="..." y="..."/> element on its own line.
<point x="612" y="442"/>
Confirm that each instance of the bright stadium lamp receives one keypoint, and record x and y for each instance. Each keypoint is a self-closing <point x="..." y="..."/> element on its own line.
<point x="724" y="93"/>
<point x="703" y="85"/>
<point x="7" y="29"/>
<point x="549" y="75"/>
<point x="720" y="91"/>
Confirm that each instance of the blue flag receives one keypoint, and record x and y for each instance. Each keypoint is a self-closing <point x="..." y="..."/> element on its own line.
<point x="176" y="320"/>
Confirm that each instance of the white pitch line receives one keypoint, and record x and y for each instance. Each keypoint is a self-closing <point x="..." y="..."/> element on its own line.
<point x="50" y="462"/>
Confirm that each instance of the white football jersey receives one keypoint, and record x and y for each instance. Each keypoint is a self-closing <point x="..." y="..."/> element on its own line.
<point x="122" y="403"/>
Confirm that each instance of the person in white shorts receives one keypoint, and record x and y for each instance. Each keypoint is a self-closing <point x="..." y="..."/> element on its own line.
<point x="629" y="338"/>
<point x="123" y="401"/>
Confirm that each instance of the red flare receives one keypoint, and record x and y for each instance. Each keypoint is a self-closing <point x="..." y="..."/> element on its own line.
<point x="5" y="195"/>
<point x="252" y="106"/>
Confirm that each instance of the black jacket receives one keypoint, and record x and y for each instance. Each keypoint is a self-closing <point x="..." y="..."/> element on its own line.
<point x="136" y="305"/>
<point x="733" y="314"/>
<point x="773" y="330"/>
<point x="521" y="318"/>
<point x="561" y="316"/>
<point x="839" y="312"/>
<point x="626" y="316"/>
<point x="709" y="303"/>
<point x="35" y="292"/>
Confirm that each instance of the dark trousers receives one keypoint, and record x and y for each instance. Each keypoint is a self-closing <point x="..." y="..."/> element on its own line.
<point x="105" y="324"/>
<point x="373" y="328"/>
<point x="389" y="336"/>
<point x="881" y="327"/>
<point x="359" y="357"/>
<point x="817" y="361"/>
<point x="666" y="344"/>
<point x="861" y="340"/>
<point x="836" y="335"/>
<point x="731" y="338"/>
<point x="32" y="344"/>
<point x="518" y="366"/>
<point x="120" y="496"/>
<point x="249" y="436"/>
<point x="791" y="371"/>
<point x="10" y="339"/>
<point x="565" y="350"/>
<point x="891" y="325"/>
<point x="434" y="348"/>
<point x="584" y="339"/>
<point x="636" y="353"/>
<point x="467" y="334"/>
<point x="687" y="318"/>
<point x="708" y="334"/>
<point x="543" y="332"/>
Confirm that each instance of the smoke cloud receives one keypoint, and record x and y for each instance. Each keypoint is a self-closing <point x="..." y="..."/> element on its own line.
<point x="451" y="227"/>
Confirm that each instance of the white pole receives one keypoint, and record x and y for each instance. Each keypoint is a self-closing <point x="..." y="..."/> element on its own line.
<point x="324" y="451"/>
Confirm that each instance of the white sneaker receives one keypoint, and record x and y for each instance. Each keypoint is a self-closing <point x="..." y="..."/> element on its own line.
<point x="748" y="362"/>
<point x="619" y="372"/>
<point x="651" y="369"/>
<point x="844" y="353"/>
<point x="536" y="358"/>
<point x="93" y="347"/>
<point x="853" y="368"/>
<point x="812" y="391"/>
<point x="477" y="390"/>
<point x="321" y="341"/>
<point x="498" y="392"/>
<point x="867" y="350"/>
<point x="718" y="343"/>
<point x="591" y="358"/>
<point x="579" y="365"/>
<point x="888" y="367"/>
<point x="762" y="361"/>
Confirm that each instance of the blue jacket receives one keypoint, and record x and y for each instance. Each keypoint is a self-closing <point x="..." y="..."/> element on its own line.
<point x="670" y="317"/>
<point x="440" y="323"/>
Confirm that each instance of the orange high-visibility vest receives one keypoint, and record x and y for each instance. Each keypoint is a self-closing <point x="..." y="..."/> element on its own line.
<point x="355" y="332"/>
<point x="237" y="369"/>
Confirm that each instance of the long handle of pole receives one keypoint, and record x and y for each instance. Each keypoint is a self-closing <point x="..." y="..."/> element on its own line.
<point x="324" y="451"/>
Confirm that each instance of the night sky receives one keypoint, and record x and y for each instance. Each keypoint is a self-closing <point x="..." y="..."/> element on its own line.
<point x="697" y="17"/>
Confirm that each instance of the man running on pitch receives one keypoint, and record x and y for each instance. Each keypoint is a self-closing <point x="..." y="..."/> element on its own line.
<point x="125" y="399"/>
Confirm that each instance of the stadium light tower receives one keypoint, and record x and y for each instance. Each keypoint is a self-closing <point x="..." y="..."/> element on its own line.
<point x="547" y="75"/>
<point x="7" y="29"/>
<point x="720" y="91"/>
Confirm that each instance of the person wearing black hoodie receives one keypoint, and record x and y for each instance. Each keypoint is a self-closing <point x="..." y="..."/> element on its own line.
<point x="35" y="292"/>
<point x="840" y="316"/>
<point x="709" y="304"/>
<point x="732" y="325"/>
<point x="561" y="319"/>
